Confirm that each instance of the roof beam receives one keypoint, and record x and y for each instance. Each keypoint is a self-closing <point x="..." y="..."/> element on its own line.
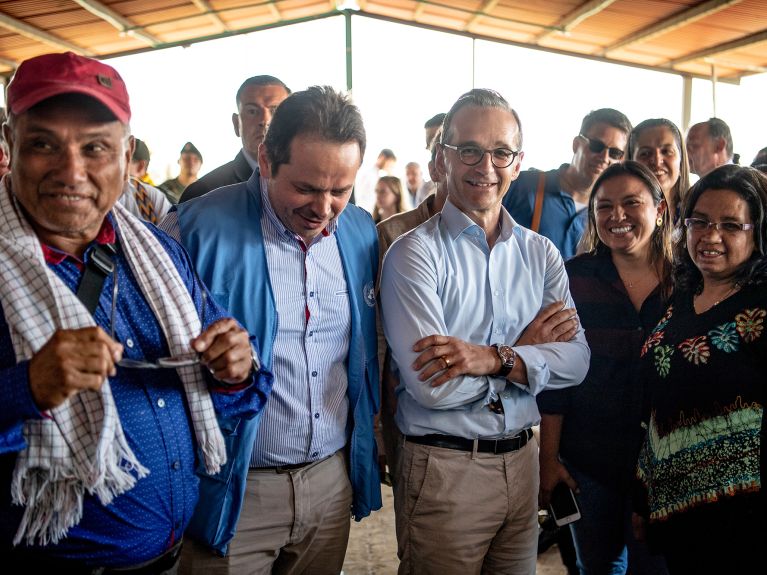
<point x="481" y="13"/>
<point x="119" y="22"/>
<point x="683" y="18"/>
<point x="124" y="25"/>
<point x="39" y="35"/>
<point x="275" y="11"/>
<point x="205" y="7"/>
<point x="9" y="63"/>
<point x="755" y="38"/>
<point x="571" y="20"/>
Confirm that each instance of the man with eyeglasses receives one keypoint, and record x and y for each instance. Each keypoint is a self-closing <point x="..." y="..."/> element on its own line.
<point x="99" y="439"/>
<point x="554" y="203"/>
<point x="458" y="294"/>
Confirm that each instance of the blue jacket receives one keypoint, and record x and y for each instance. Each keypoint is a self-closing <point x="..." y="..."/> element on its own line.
<point x="222" y="233"/>
<point x="560" y="222"/>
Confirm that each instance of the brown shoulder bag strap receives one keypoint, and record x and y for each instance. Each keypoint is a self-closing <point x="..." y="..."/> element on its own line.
<point x="536" y="224"/>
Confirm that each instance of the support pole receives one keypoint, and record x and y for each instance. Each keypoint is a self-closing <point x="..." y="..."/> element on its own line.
<point x="686" y="102"/>
<point x="348" y="20"/>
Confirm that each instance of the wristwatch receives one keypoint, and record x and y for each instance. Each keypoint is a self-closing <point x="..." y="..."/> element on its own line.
<point x="508" y="358"/>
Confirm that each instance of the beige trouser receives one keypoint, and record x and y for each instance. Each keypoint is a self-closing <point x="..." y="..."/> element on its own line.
<point x="462" y="513"/>
<point x="291" y="523"/>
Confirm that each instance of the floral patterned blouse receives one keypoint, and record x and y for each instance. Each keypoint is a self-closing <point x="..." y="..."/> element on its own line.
<point x="706" y="375"/>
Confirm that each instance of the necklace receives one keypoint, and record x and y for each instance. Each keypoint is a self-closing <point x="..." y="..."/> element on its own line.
<point x="727" y="294"/>
<point x="631" y="284"/>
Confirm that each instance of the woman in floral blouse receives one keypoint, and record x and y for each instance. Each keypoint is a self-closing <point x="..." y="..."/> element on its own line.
<point x="706" y="363"/>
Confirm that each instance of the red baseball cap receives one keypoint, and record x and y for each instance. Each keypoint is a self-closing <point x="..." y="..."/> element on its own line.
<point x="49" y="75"/>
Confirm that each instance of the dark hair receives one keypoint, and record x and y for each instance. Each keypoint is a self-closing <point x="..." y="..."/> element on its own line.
<point x="719" y="129"/>
<point x="263" y="80"/>
<point x="751" y="185"/>
<point x="760" y="158"/>
<point x="607" y="116"/>
<point x="388" y="154"/>
<point x="683" y="183"/>
<point x="435" y="121"/>
<point x="320" y="111"/>
<point x="660" y="244"/>
<point x="480" y="98"/>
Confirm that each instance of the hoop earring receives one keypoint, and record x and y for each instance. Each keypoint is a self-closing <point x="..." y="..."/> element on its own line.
<point x="659" y="221"/>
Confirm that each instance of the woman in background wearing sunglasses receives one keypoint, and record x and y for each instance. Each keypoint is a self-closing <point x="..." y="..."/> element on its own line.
<point x="705" y="365"/>
<point x="658" y="144"/>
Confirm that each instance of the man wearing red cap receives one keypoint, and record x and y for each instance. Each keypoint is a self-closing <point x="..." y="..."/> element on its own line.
<point x="103" y="332"/>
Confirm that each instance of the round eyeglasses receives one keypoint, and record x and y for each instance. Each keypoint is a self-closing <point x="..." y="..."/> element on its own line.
<point x="472" y="155"/>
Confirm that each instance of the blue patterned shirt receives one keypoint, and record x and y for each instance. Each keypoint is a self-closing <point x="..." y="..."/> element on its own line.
<point x="145" y="521"/>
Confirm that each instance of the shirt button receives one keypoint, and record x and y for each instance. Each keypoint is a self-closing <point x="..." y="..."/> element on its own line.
<point x="316" y="416"/>
<point x="161" y="403"/>
<point x="311" y="294"/>
<point x="314" y="374"/>
<point x="176" y="465"/>
<point x="315" y="454"/>
<point x="129" y="342"/>
<point x="311" y="333"/>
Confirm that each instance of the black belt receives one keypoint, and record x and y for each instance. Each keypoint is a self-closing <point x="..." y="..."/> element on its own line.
<point x="34" y="562"/>
<point x="496" y="446"/>
<point x="290" y="466"/>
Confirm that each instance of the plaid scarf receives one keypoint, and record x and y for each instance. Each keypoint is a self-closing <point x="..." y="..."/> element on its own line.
<point x="81" y="447"/>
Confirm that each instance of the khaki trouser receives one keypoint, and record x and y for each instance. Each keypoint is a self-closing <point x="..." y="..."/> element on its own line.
<point x="291" y="523"/>
<point x="462" y="513"/>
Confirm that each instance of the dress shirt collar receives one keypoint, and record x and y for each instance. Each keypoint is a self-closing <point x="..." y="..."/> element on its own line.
<point x="252" y="162"/>
<point x="272" y="216"/>
<point x="458" y="223"/>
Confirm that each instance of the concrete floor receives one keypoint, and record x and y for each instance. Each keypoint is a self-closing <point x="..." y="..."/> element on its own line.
<point x="373" y="546"/>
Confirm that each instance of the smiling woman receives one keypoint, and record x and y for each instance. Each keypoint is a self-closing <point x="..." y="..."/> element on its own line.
<point x="701" y="462"/>
<point x="619" y="286"/>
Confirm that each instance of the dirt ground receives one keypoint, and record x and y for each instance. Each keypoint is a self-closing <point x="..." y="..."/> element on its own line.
<point x="373" y="546"/>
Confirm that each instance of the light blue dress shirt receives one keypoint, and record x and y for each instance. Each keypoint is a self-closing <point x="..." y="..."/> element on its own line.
<point x="443" y="278"/>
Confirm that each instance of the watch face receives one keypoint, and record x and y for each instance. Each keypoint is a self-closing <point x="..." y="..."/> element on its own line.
<point x="506" y="354"/>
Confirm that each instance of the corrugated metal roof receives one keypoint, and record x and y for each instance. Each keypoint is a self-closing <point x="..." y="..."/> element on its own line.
<point x="686" y="36"/>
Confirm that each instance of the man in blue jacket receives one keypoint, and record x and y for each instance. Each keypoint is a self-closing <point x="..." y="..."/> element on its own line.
<point x="286" y="255"/>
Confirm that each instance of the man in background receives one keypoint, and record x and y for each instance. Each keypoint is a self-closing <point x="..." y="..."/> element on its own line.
<point x="709" y="145"/>
<point x="257" y="99"/>
<point x="190" y="162"/>
<point x="553" y="203"/>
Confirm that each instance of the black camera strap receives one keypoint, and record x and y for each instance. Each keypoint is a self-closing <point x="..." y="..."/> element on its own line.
<point x="99" y="267"/>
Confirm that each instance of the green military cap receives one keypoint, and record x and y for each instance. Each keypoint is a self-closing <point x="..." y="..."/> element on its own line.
<point x="189" y="148"/>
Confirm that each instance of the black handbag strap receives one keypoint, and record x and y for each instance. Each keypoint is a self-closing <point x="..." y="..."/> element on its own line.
<point x="100" y="266"/>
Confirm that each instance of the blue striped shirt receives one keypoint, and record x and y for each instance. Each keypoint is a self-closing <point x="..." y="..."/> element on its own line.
<point x="306" y="416"/>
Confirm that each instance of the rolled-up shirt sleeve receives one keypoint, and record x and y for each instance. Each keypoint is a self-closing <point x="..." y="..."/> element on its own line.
<point x="412" y="309"/>
<point x="415" y="272"/>
<point x="557" y="365"/>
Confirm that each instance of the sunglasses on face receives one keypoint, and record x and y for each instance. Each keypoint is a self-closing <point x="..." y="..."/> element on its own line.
<point x="598" y="146"/>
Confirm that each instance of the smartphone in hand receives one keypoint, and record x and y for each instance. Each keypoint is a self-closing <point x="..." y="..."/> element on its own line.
<point x="563" y="506"/>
